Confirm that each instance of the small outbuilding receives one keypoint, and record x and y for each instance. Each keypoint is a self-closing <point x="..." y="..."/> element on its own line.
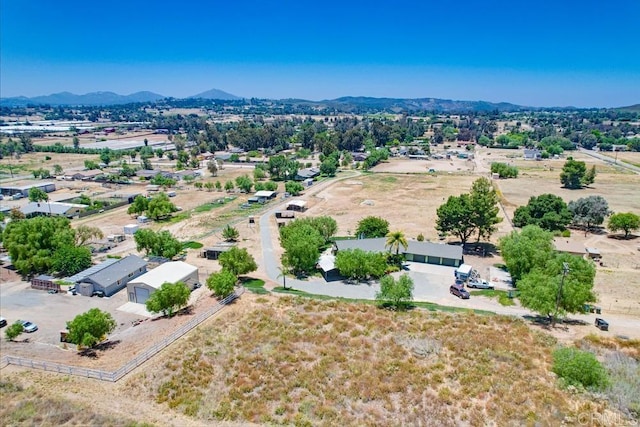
<point x="593" y="253"/>
<point x="44" y="282"/>
<point x="142" y="287"/>
<point x="113" y="277"/>
<point x="265" y="195"/>
<point x="131" y="228"/>
<point x="296" y="205"/>
<point x="214" y="252"/>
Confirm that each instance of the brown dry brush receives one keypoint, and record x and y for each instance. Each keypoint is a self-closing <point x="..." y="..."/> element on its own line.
<point x="300" y="361"/>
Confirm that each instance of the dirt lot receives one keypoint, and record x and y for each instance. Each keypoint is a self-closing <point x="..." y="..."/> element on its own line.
<point x="408" y="200"/>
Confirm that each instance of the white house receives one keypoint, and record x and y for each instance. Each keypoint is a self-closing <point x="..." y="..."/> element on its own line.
<point x="143" y="286"/>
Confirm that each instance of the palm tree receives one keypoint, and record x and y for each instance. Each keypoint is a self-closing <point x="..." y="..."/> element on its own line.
<point x="395" y="239"/>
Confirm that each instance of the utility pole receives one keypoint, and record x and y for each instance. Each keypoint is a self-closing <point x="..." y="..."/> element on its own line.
<point x="565" y="271"/>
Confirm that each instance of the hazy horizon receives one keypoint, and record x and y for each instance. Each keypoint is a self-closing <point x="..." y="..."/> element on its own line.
<point x="542" y="54"/>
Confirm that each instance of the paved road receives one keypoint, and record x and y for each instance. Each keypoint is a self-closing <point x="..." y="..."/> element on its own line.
<point x="271" y="264"/>
<point x="609" y="160"/>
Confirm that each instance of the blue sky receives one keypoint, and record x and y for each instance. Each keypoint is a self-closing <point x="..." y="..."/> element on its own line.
<point x="538" y="53"/>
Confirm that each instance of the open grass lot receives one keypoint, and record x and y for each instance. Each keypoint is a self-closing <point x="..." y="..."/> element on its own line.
<point x="407" y="201"/>
<point x="631" y="157"/>
<point x="307" y="362"/>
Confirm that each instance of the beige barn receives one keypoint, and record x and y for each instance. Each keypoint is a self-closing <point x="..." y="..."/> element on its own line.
<point x="143" y="286"/>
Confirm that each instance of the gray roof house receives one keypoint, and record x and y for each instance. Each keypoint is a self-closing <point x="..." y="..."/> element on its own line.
<point x="307" y="173"/>
<point x="532" y="154"/>
<point x="68" y="210"/>
<point x="113" y="277"/>
<point x="426" y="252"/>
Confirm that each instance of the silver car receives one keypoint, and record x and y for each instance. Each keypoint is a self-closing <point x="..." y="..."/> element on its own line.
<point x="28" y="326"/>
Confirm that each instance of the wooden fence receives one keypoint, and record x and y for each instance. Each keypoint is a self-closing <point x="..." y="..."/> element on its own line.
<point x="132" y="364"/>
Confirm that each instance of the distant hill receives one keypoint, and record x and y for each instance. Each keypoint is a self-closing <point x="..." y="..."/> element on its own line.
<point x="419" y="104"/>
<point x="216" y="94"/>
<point x="631" y="108"/>
<point x="92" y="98"/>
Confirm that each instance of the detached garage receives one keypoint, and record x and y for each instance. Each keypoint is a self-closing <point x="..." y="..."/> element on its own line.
<point x="142" y="287"/>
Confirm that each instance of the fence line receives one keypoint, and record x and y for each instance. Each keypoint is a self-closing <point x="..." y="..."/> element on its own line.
<point x="113" y="376"/>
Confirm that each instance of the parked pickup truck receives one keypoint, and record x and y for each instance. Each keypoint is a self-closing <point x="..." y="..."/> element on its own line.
<point x="480" y="284"/>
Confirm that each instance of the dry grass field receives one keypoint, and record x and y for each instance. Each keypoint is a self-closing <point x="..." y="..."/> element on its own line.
<point x="305" y="362"/>
<point x="407" y="201"/>
<point x="292" y="361"/>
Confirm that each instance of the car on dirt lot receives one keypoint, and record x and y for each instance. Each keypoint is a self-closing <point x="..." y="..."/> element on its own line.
<point x="602" y="324"/>
<point x="3" y="322"/>
<point x="29" y="326"/>
<point x="480" y="284"/>
<point x="459" y="291"/>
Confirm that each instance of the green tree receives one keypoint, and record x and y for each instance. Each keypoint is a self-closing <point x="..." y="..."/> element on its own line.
<point x="573" y="173"/>
<point x="238" y="261"/>
<point x="525" y="250"/>
<point x="218" y="185"/>
<point x="57" y="169"/>
<point x="31" y="243"/>
<point x="626" y="222"/>
<point x="139" y="206"/>
<point x="484" y="202"/>
<point x="547" y="286"/>
<point x="69" y="260"/>
<point x="395" y="239"/>
<point x="329" y="167"/>
<point x="271" y="186"/>
<point x="589" y="211"/>
<point x="356" y="264"/>
<point x="590" y="176"/>
<point x="160" y="207"/>
<point x="213" y="167"/>
<point x="105" y="156"/>
<point x="90" y="328"/>
<point x="199" y="185"/>
<point x="259" y="173"/>
<point x="230" y="234"/>
<point x="161" y="244"/>
<point x="301" y="242"/>
<point x="76" y="142"/>
<point x="579" y="368"/>
<point x="85" y="233"/>
<point x="281" y="168"/>
<point x="90" y="165"/>
<point x="228" y="186"/>
<point x="244" y="183"/>
<point x="209" y="186"/>
<point x="504" y="170"/>
<point x="222" y="284"/>
<point x="547" y="211"/>
<point x="38" y="195"/>
<point x="372" y="226"/>
<point x="169" y="298"/>
<point x="14" y="330"/>
<point x="455" y="217"/>
<point x="396" y="294"/>
<point x="294" y="188"/>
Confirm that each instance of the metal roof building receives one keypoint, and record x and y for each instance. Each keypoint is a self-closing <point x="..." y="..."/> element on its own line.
<point x="142" y="287"/>
<point x="113" y="277"/>
<point x="427" y="252"/>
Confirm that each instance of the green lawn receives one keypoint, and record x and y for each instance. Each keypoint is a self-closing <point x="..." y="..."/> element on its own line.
<point x="191" y="245"/>
<point x="255" y="285"/>
<point x="503" y="296"/>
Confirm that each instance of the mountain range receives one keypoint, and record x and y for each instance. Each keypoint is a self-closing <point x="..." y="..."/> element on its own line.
<point x="105" y="98"/>
<point x="344" y="104"/>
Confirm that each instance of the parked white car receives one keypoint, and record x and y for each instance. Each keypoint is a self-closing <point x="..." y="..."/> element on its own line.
<point x="28" y="326"/>
<point x="480" y="284"/>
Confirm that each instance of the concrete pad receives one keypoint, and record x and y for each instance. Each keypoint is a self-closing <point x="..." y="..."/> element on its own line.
<point x="135" y="308"/>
